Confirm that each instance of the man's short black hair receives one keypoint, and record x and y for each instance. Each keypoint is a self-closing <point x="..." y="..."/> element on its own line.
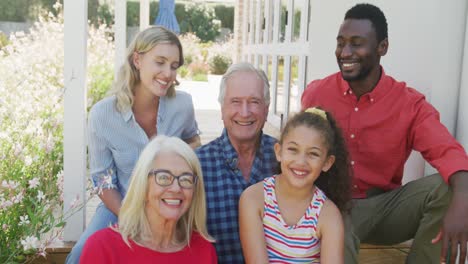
<point x="372" y="13"/>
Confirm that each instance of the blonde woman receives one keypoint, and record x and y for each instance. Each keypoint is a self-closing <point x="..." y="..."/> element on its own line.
<point x="143" y="104"/>
<point x="163" y="217"/>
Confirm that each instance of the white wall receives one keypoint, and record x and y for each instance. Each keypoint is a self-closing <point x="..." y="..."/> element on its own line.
<point x="426" y="48"/>
<point x="462" y="124"/>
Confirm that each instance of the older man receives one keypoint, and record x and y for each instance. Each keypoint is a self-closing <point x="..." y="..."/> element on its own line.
<point x="240" y="157"/>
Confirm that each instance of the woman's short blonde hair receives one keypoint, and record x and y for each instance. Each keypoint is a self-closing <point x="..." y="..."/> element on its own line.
<point x="128" y="76"/>
<point x="133" y="222"/>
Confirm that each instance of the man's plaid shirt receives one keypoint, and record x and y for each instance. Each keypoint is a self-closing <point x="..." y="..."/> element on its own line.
<point x="224" y="184"/>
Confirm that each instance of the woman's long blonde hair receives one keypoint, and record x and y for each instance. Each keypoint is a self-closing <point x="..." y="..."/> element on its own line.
<point x="133" y="222"/>
<point x="128" y="76"/>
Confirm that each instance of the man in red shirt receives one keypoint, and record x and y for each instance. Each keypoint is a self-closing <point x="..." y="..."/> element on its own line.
<point x="383" y="120"/>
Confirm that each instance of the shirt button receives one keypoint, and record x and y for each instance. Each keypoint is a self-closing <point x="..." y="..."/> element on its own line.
<point x="352" y="136"/>
<point x="372" y="99"/>
<point x="352" y="162"/>
<point x="356" y="109"/>
<point x="355" y="186"/>
<point x="344" y="93"/>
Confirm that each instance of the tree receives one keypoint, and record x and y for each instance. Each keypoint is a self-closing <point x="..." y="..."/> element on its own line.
<point x="201" y="20"/>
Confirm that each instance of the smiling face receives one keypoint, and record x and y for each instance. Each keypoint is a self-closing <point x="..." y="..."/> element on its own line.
<point x="244" y="110"/>
<point x="172" y="202"/>
<point x="303" y="156"/>
<point x="157" y="68"/>
<point x="357" y="51"/>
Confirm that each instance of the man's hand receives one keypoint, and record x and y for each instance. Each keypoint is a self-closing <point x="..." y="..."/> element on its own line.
<point x="454" y="230"/>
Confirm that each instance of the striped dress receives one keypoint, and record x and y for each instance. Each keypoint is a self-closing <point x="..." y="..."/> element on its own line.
<point x="291" y="244"/>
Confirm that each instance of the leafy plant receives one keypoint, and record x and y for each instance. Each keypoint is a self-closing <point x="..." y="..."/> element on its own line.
<point x="31" y="140"/>
<point x="201" y="20"/>
<point x="183" y="71"/>
<point x="219" y="64"/>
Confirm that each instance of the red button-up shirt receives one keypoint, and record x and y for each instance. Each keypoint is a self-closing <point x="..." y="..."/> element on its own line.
<point x="383" y="127"/>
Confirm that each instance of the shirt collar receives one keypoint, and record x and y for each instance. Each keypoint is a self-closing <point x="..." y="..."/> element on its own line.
<point x="230" y="154"/>
<point x="380" y="90"/>
<point x="127" y="115"/>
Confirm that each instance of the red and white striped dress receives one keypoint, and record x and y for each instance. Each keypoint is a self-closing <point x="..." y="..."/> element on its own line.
<point x="291" y="244"/>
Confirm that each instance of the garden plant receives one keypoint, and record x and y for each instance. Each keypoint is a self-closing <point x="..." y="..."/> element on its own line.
<point x="31" y="126"/>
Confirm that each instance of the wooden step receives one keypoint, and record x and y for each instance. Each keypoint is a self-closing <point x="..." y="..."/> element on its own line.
<point x="376" y="254"/>
<point x="56" y="253"/>
<point x="369" y="254"/>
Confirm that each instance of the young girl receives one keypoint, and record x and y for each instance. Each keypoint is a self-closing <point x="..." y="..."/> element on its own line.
<point x="295" y="216"/>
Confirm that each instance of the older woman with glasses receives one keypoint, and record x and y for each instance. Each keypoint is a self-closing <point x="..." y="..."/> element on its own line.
<point x="163" y="216"/>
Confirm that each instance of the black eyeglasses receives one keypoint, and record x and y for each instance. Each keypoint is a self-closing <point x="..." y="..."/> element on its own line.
<point x="165" y="178"/>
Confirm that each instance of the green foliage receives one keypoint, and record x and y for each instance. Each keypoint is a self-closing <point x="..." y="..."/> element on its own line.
<point x="104" y="15"/>
<point x="100" y="84"/>
<point x="3" y="40"/>
<point x="13" y="10"/>
<point x="226" y="15"/>
<point x="31" y="133"/>
<point x="201" y="20"/>
<point x="183" y="71"/>
<point x="219" y="64"/>
<point x="200" y="77"/>
<point x="133" y="14"/>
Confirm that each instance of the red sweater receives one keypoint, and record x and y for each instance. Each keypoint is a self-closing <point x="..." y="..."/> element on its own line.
<point x="107" y="246"/>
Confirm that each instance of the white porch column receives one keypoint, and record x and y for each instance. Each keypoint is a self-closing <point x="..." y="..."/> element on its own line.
<point x="120" y="31"/>
<point x="74" y="142"/>
<point x="144" y="14"/>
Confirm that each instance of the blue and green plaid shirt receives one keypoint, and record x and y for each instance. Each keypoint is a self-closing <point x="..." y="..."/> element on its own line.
<point x="224" y="184"/>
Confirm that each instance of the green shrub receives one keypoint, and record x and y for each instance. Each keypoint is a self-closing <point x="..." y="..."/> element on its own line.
<point x="219" y="63"/>
<point x="3" y="40"/>
<point x="101" y="14"/>
<point x="226" y="15"/>
<point x="201" y="20"/>
<point x="200" y="77"/>
<point x="133" y="14"/>
<point x="183" y="71"/>
<point x="13" y="10"/>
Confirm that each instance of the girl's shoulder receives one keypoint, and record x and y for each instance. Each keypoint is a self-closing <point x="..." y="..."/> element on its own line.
<point x="254" y="190"/>
<point x="253" y="196"/>
<point x="330" y="216"/>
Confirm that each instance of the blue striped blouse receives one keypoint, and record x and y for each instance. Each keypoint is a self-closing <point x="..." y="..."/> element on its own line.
<point x="115" y="139"/>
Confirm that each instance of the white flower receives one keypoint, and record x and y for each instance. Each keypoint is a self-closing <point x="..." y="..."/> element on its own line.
<point x="30" y="242"/>
<point x="28" y="161"/>
<point x="5" y="227"/>
<point x="18" y="198"/>
<point x="40" y="196"/>
<point x="18" y="149"/>
<point x="5" y="204"/>
<point x="49" y="145"/>
<point x="34" y="183"/>
<point x="24" y="220"/>
<point x="12" y="185"/>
